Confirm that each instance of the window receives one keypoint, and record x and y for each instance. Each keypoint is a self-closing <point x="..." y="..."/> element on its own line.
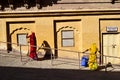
<point x="21" y="39"/>
<point x="67" y="38"/>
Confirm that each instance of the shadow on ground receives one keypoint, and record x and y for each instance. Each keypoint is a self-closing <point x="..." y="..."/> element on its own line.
<point x="17" y="73"/>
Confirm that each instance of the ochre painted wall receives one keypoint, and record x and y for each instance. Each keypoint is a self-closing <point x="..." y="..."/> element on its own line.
<point x="87" y="29"/>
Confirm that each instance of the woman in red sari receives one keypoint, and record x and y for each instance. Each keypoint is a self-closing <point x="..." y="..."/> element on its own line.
<point x="32" y="54"/>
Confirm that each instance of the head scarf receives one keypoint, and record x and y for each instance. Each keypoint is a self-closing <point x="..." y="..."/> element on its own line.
<point x="93" y="48"/>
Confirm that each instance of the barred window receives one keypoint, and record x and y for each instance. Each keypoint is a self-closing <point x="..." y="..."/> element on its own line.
<point x="67" y="38"/>
<point x="21" y="39"/>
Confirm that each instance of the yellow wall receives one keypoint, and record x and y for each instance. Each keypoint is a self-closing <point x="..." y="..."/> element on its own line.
<point x="74" y="25"/>
<point x="86" y="28"/>
<point x="109" y="23"/>
<point x="90" y="31"/>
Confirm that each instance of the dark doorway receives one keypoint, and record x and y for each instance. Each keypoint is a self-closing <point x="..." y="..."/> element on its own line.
<point x="9" y="46"/>
<point x="55" y="40"/>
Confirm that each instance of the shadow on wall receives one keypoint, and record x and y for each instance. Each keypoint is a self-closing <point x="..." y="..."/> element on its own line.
<point x="17" y="73"/>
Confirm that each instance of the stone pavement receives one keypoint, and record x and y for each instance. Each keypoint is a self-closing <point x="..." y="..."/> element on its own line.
<point x="15" y="60"/>
<point x="12" y="68"/>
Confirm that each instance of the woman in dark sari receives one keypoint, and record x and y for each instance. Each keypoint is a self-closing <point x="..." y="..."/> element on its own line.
<point x="32" y="54"/>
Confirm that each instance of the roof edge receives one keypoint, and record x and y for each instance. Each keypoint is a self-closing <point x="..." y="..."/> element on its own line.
<point x="59" y="12"/>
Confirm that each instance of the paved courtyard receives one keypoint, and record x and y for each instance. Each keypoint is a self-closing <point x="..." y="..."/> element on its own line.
<point x="16" y="60"/>
<point x="13" y="67"/>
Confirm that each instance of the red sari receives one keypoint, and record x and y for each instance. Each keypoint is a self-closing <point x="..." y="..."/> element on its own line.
<point x="33" y="54"/>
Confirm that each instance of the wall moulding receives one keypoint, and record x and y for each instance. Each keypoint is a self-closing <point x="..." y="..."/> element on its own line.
<point x="58" y="13"/>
